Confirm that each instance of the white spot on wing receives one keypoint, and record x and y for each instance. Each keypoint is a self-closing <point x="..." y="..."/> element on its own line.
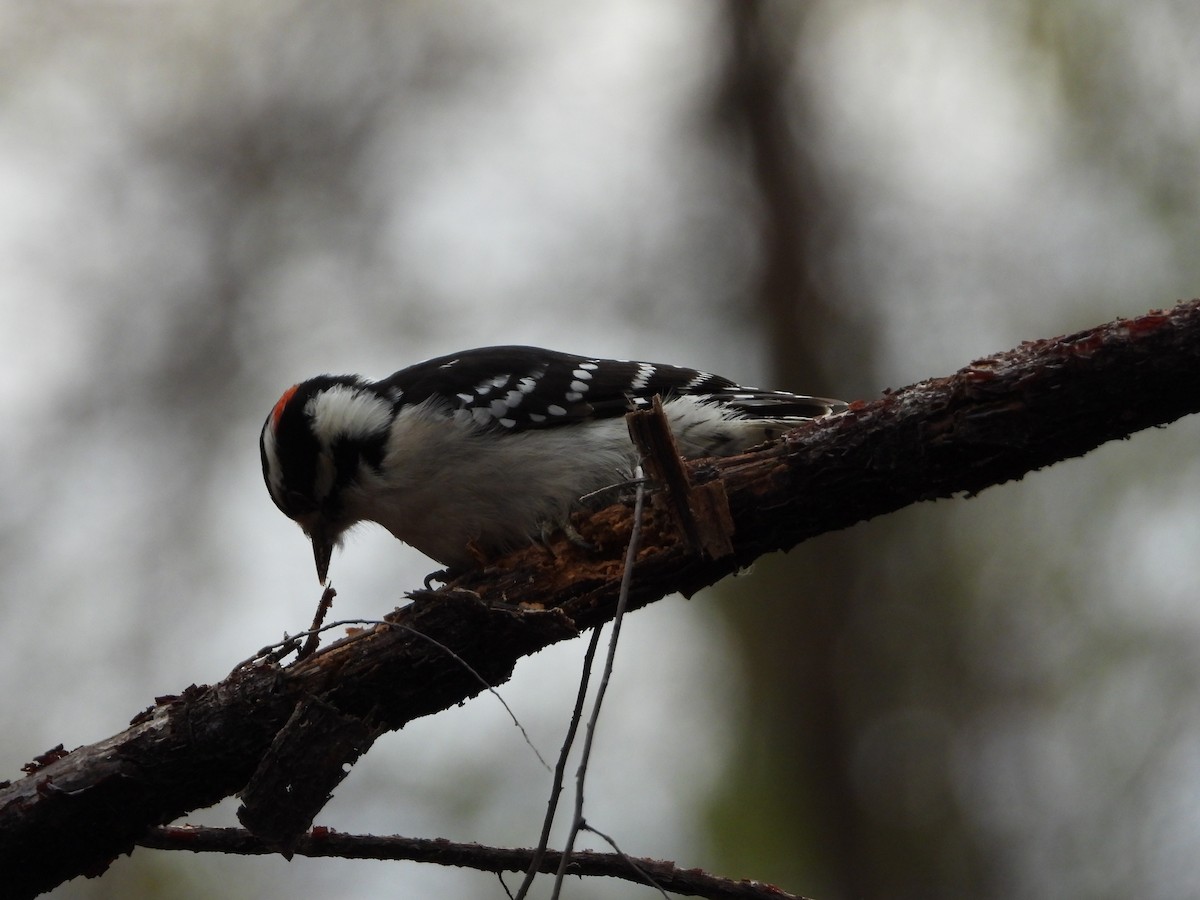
<point x="513" y="399"/>
<point x="644" y="373"/>
<point x="582" y="373"/>
<point x="498" y="408"/>
<point x="556" y="410"/>
<point x="481" y="415"/>
<point x="536" y="417"/>
<point x="580" y="386"/>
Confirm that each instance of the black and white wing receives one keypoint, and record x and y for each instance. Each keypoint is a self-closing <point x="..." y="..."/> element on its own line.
<point x="520" y="388"/>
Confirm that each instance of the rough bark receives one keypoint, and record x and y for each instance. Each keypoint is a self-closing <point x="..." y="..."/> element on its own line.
<point x="993" y="421"/>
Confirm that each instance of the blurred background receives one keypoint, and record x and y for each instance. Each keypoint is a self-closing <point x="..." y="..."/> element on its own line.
<point x="203" y="203"/>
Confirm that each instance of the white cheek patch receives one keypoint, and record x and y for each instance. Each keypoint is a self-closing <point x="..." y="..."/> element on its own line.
<point x="345" y="411"/>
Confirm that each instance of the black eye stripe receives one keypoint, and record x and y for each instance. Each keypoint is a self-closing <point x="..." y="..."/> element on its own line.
<point x="349" y="454"/>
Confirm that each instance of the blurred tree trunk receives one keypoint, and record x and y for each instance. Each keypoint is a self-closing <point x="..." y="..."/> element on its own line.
<point x="790" y="810"/>
<point x="808" y="831"/>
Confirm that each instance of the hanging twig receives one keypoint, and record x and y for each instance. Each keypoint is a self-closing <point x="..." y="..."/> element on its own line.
<point x="590" y="733"/>
<point x="560" y="767"/>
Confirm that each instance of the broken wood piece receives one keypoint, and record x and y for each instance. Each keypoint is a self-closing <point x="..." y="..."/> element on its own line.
<point x="701" y="513"/>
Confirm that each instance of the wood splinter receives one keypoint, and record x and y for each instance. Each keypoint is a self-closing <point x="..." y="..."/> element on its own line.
<point x="700" y="512"/>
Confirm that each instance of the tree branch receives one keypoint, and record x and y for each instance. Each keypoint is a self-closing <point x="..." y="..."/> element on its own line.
<point x="991" y="422"/>
<point x="326" y="842"/>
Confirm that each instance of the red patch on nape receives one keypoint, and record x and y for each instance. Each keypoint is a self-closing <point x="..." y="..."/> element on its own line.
<point x="281" y="404"/>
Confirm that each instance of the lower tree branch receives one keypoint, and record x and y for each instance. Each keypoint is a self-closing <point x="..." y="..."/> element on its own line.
<point x="326" y="842"/>
<point x="993" y="421"/>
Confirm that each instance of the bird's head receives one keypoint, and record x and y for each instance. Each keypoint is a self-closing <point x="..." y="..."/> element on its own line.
<point x="313" y="445"/>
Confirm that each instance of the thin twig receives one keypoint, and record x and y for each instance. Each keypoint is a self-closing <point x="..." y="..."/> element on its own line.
<point x="483" y="681"/>
<point x="281" y="648"/>
<point x="324" y="842"/>
<point x="310" y="645"/>
<point x="613" y="488"/>
<point x="642" y="873"/>
<point x="622" y="601"/>
<point x="560" y="767"/>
